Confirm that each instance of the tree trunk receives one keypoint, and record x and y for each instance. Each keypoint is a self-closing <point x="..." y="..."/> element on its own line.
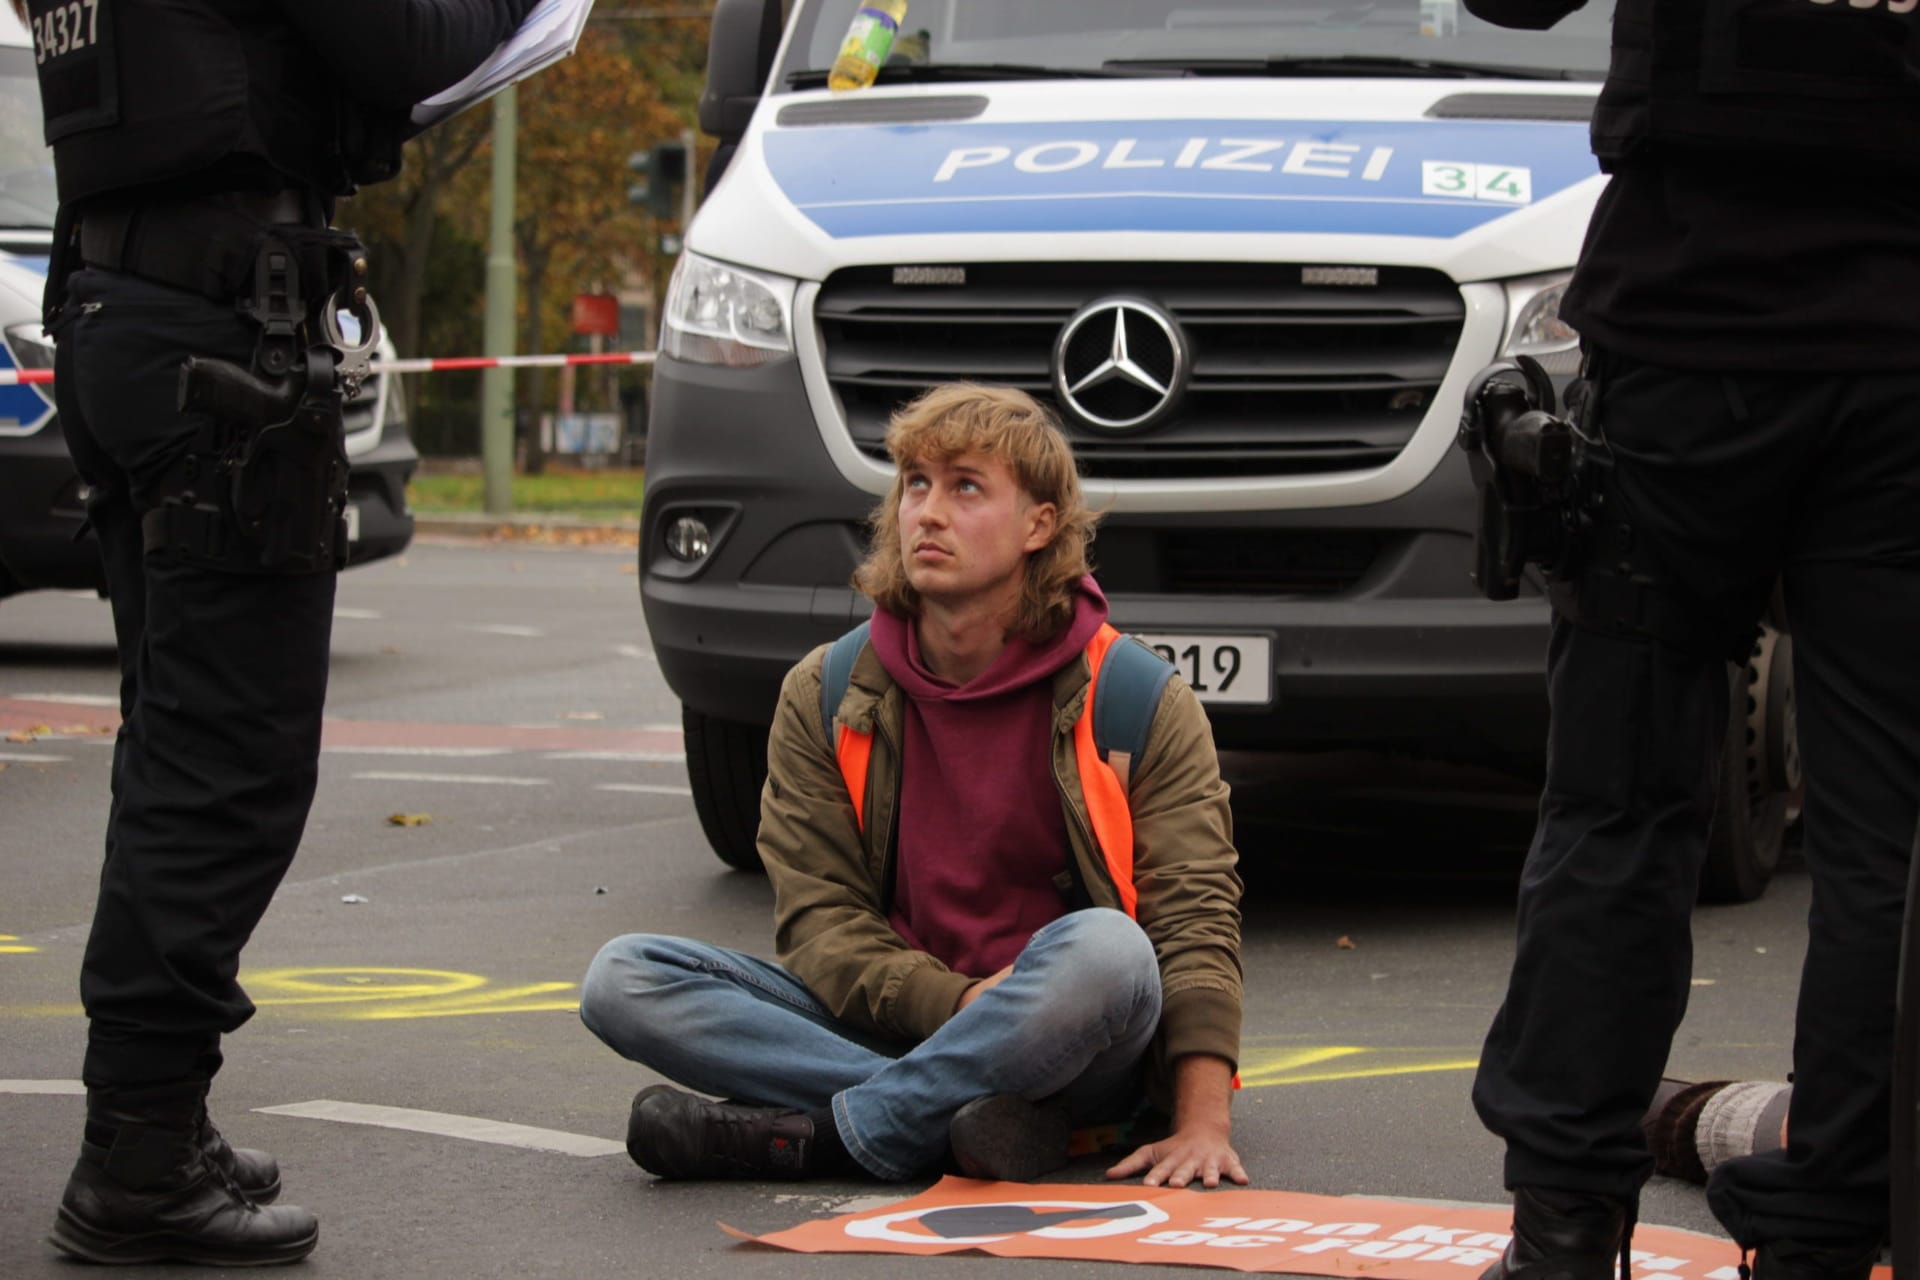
<point x="534" y="391"/>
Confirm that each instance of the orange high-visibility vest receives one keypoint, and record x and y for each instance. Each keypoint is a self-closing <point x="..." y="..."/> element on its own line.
<point x="1105" y="793"/>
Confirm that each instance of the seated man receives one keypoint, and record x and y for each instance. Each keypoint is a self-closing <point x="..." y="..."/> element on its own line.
<point x="976" y="953"/>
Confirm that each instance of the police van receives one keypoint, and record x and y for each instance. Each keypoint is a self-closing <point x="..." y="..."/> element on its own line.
<point x="1252" y="251"/>
<point x="41" y="497"/>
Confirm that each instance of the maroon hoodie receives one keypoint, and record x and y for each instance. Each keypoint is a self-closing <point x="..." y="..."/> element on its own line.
<point x="982" y="832"/>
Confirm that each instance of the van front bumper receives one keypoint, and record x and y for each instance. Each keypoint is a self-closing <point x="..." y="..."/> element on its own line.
<point x="1406" y="656"/>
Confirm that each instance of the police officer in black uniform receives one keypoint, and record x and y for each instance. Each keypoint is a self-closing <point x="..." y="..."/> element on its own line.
<point x="199" y="146"/>
<point x="1747" y="300"/>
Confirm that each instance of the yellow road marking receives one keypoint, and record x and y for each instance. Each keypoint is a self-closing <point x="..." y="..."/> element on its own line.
<point x="10" y="945"/>
<point x="367" y="994"/>
<point x="1263" y="1068"/>
<point x="372" y="993"/>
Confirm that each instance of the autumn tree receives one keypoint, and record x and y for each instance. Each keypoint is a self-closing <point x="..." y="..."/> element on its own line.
<point x="629" y="84"/>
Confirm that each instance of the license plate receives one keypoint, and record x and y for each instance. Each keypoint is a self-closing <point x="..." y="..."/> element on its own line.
<point x="353" y="522"/>
<point x="1223" y="669"/>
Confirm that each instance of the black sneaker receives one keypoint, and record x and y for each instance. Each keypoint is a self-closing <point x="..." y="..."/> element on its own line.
<point x="1564" y="1235"/>
<point x="674" y="1134"/>
<point x="1792" y="1260"/>
<point x="1005" y="1138"/>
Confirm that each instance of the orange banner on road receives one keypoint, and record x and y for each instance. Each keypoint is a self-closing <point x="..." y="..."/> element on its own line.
<point x="1274" y="1231"/>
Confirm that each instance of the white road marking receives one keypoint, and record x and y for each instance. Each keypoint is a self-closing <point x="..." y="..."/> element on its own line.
<point x="502" y="629"/>
<point x="472" y="1128"/>
<point x="63" y="1087"/>
<point x="72" y="699"/>
<point x="21" y="757"/>
<point x="477" y="779"/>
<point x="644" y="789"/>
<point x="358" y="615"/>
<point x="457" y="753"/>
<point x="635" y="651"/>
<point x="624" y="757"/>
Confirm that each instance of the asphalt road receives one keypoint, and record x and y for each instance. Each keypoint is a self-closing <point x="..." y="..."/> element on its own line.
<point x="507" y="694"/>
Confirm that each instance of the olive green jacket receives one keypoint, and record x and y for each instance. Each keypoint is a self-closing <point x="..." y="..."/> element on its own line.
<point x="833" y="883"/>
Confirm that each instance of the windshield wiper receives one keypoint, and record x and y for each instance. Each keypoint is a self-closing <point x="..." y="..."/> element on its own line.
<point x="1348" y="64"/>
<point x="935" y="72"/>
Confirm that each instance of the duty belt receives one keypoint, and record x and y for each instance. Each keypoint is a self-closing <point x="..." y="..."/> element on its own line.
<point x="205" y="246"/>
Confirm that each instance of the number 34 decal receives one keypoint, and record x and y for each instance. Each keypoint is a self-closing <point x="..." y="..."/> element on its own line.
<point x="1504" y="183"/>
<point x="65" y="28"/>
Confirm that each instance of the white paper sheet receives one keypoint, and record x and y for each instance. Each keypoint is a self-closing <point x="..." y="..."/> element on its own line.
<point x="550" y="32"/>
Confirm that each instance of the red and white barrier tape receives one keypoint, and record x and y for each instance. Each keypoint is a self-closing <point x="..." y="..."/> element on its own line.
<point x="42" y="377"/>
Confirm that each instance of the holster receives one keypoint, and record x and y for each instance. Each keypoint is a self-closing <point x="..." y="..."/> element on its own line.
<point x="266" y="487"/>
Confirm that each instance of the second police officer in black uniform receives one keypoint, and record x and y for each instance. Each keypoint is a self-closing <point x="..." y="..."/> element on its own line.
<point x="1746" y="297"/>
<point x="198" y="147"/>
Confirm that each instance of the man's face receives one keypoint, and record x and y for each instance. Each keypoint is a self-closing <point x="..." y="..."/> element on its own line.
<point x="967" y="527"/>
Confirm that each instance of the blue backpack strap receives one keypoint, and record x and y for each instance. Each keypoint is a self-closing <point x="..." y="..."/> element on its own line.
<point x="1132" y="678"/>
<point x="835" y="673"/>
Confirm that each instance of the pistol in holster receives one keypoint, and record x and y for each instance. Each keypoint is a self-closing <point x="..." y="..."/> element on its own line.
<point x="282" y="474"/>
<point x="1536" y="474"/>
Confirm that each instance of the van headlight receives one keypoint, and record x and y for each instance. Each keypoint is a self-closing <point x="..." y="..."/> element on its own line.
<point x="720" y="314"/>
<point x="1536" y="330"/>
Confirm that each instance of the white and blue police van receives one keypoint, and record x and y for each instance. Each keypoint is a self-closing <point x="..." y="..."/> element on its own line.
<point x="42" y="500"/>
<point x="1252" y="251"/>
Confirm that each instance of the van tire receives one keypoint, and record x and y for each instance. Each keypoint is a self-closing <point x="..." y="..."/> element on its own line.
<point x="726" y="767"/>
<point x="1759" y="773"/>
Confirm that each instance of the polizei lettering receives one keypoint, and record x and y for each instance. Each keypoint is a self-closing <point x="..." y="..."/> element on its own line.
<point x="1233" y="155"/>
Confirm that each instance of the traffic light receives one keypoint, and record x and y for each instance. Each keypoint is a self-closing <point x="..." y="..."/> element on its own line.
<point x="663" y="172"/>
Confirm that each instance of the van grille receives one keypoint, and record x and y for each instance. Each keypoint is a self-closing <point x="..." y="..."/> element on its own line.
<point x="1287" y="378"/>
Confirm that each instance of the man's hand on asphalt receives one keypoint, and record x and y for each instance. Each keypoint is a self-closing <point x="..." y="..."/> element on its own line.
<point x="1198" y="1151"/>
<point x="1199" y="1146"/>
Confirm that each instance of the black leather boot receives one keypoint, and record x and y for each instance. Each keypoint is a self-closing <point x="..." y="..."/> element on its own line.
<point x="147" y="1189"/>
<point x="1564" y="1235"/>
<point x="255" y="1172"/>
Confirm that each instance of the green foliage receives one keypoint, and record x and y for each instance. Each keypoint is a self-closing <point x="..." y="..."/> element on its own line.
<point x="631" y="84"/>
<point x="599" y="495"/>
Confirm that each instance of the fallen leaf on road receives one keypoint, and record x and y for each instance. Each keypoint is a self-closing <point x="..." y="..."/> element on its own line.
<point x="1345" y="943"/>
<point x="29" y="734"/>
<point x="409" y="819"/>
<point x="593" y="536"/>
<point x="84" y="730"/>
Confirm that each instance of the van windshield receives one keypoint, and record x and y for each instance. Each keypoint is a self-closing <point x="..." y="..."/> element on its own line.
<point x="1005" y="39"/>
<point x="26" y="164"/>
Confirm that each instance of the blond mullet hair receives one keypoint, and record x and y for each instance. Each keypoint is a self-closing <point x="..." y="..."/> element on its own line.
<point x="997" y="422"/>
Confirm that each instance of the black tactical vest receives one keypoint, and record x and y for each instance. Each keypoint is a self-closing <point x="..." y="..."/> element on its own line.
<point x="145" y="92"/>
<point x="1837" y="78"/>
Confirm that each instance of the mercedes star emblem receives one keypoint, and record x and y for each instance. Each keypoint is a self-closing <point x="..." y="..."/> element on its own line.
<point x="1120" y="364"/>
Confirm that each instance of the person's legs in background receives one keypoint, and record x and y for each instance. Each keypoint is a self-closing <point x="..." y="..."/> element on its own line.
<point x="1819" y="1205"/>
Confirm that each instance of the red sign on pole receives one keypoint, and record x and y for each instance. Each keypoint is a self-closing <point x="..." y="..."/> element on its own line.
<point x="596" y="313"/>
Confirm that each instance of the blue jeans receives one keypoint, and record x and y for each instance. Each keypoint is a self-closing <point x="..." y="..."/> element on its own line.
<point x="1074" y="1020"/>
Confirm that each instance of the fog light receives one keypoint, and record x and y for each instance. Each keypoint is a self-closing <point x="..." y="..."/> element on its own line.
<point x="689" y="539"/>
